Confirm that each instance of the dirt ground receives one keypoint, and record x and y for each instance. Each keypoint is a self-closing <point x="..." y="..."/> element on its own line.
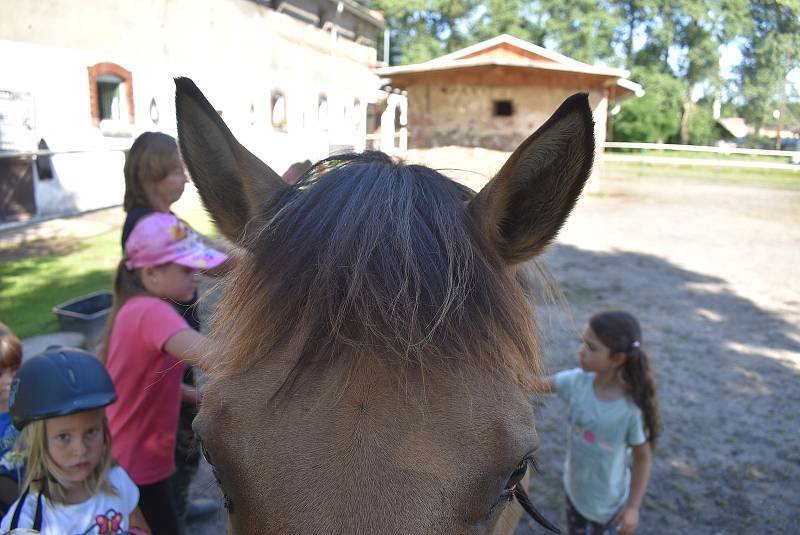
<point x="713" y="273"/>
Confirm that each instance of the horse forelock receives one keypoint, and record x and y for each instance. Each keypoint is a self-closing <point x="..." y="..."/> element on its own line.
<point x="368" y="255"/>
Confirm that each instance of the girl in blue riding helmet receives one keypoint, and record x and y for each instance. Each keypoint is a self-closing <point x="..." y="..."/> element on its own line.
<point x="57" y="401"/>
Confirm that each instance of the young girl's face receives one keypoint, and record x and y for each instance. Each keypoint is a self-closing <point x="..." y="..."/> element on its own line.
<point x="594" y="355"/>
<point x="170" y="188"/>
<point x="76" y="443"/>
<point x="172" y="281"/>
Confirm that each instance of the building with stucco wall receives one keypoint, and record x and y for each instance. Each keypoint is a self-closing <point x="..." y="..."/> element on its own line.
<point x="293" y="79"/>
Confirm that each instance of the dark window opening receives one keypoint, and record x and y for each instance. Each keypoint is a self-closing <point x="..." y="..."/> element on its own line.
<point x="110" y="97"/>
<point x="44" y="164"/>
<point x="397" y="122"/>
<point x="503" y="108"/>
<point x="373" y="117"/>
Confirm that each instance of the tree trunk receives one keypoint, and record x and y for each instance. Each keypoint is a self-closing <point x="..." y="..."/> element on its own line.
<point x="781" y="111"/>
<point x="688" y="108"/>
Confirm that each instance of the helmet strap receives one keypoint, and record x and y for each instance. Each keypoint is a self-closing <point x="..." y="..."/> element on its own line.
<point x="37" y="517"/>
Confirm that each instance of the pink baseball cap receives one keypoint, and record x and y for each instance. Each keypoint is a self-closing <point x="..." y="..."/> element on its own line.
<point x="162" y="238"/>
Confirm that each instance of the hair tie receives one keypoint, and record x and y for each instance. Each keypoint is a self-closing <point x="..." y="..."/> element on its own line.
<point x="635" y="344"/>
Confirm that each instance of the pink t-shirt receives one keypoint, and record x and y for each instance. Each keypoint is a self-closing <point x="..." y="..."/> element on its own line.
<point x="144" y="419"/>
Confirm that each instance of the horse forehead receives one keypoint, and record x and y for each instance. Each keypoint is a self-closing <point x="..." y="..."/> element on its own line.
<point x="381" y="404"/>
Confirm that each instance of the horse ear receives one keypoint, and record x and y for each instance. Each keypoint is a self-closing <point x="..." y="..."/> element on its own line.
<point x="523" y="207"/>
<point x="236" y="187"/>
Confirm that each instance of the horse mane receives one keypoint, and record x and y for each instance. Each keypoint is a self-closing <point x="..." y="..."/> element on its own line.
<point x="370" y="255"/>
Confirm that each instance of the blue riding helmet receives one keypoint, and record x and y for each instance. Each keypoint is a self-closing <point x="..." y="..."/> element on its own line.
<point x="58" y="382"/>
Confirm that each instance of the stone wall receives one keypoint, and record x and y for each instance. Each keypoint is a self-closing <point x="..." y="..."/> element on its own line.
<point x="441" y="115"/>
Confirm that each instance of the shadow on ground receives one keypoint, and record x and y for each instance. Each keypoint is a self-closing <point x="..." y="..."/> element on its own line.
<point x="729" y="388"/>
<point x="38" y="248"/>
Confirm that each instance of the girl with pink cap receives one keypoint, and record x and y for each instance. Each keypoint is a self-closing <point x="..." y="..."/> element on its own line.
<point x="147" y="347"/>
<point x="154" y="180"/>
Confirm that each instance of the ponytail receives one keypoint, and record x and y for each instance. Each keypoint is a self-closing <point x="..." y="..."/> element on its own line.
<point x="126" y="285"/>
<point x="637" y="375"/>
<point x="621" y="333"/>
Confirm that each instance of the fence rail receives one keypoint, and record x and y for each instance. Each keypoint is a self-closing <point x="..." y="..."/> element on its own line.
<point x="741" y="164"/>
<point x="38" y="153"/>
<point x="715" y="156"/>
<point x="698" y="148"/>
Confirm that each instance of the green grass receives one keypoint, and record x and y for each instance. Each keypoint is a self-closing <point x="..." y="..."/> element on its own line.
<point x="31" y="287"/>
<point x="726" y="175"/>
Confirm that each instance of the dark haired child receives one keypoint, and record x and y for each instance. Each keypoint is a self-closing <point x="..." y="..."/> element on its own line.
<point x="12" y="464"/>
<point x="613" y="416"/>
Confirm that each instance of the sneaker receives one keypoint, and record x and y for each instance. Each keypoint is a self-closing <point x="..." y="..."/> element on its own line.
<point x="199" y="508"/>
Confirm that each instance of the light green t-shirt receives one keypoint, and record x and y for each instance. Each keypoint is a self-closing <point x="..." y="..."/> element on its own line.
<point x="596" y="472"/>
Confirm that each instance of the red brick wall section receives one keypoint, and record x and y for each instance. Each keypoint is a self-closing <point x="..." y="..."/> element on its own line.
<point x="120" y="72"/>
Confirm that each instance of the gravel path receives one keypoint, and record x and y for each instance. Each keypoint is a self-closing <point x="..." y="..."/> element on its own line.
<point x="712" y="274"/>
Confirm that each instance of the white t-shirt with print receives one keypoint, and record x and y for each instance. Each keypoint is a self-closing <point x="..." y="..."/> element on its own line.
<point x="102" y="513"/>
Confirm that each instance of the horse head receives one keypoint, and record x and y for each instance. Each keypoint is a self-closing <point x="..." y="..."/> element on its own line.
<point x="376" y="347"/>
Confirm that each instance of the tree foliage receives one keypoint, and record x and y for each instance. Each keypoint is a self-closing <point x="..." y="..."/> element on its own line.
<point x="655" y="117"/>
<point x="673" y="48"/>
<point x="424" y="29"/>
<point x="770" y="52"/>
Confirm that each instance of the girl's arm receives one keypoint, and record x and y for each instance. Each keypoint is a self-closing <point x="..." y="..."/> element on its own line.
<point x="190" y="346"/>
<point x="628" y="518"/>
<point x="137" y="522"/>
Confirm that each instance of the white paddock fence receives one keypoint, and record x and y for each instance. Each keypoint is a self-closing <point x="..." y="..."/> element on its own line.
<point x="717" y="156"/>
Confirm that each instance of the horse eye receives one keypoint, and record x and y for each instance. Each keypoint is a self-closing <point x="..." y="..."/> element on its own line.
<point x="514" y="489"/>
<point x="518" y="473"/>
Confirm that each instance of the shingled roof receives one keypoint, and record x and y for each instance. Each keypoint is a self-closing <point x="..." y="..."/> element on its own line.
<point x="507" y="55"/>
